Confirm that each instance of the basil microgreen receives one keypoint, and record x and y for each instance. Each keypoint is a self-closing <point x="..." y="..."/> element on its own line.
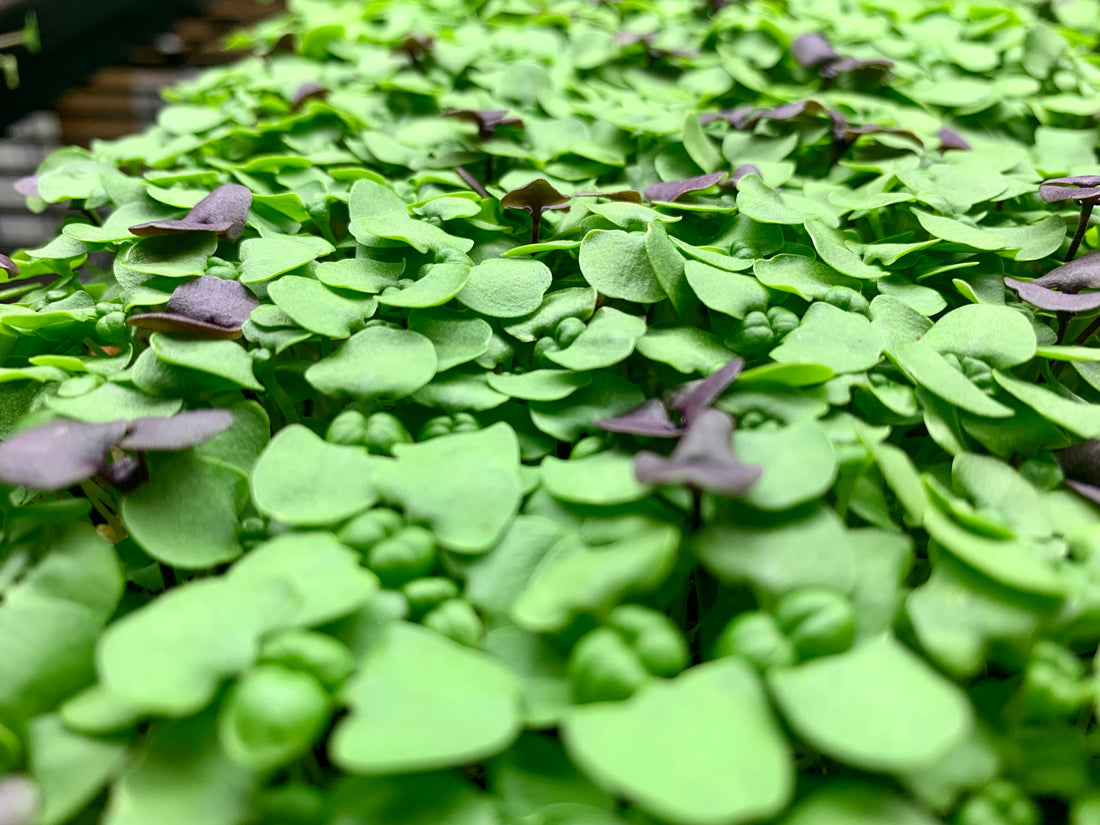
<point x="758" y="484"/>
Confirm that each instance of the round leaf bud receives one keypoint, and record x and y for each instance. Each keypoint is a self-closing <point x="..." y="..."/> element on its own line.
<point x="348" y="428"/>
<point x="604" y="668"/>
<point x="406" y="555"/>
<point x="654" y="637"/>
<point x="818" y="622"/>
<point x="383" y="431"/>
<point x="366" y="530"/>
<point x="457" y="620"/>
<point x="755" y="637"/>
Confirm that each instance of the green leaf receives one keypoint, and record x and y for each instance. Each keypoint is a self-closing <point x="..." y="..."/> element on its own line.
<point x="438" y="284"/>
<point x="272" y="716"/>
<point x="225" y="359"/>
<point x="506" y="287"/>
<point x="835" y="251"/>
<point x="799" y="464"/>
<point x="805" y="277"/>
<point x="181" y="776"/>
<point x="413" y="799"/>
<point x="264" y="258"/>
<point x="698" y="145"/>
<point x="608" y="339"/>
<point x="605" y="397"/>
<point x="170" y="656"/>
<point x="466" y="486"/>
<point x="379" y="362"/>
<point x="186" y="515"/>
<point x="927" y="368"/>
<point x="726" y="292"/>
<point x="315" y="307"/>
<point x="779" y="554"/>
<point x="302" y="480"/>
<point x="685" y="349"/>
<point x="845" y="802"/>
<point x="1076" y="416"/>
<point x="575" y="580"/>
<point x="604" y="478"/>
<point x="70" y="769"/>
<point x="668" y="266"/>
<point x="1029" y="243"/>
<point x="323" y="572"/>
<point x="617" y="265"/>
<point x="539" y="385"/>
<point x="457" y="338"/>
<point x="359" y="274"/>
<point x="842" y="340"/>
<point x="377" y="210"/>
<point x="711" y="751"/>
<point x="1000" y="336"/>
<point x="421" y="702"/>
<point x="878" y="707"/>
<point x="172" y="256"/>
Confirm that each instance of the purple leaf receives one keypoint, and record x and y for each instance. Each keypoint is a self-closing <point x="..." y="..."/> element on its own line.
<point x="648" y="418"/>
<point x="670" y="190"/>
<point x="952" y="140"/>
<point x="690" y="399"/>
<point x="703" y="458"/>
<point x="223" y="212"/>
<point x="206" y="307"/>
<point x="742" y="170"/>
<point x="850" y="134"/>
<point x="535" y="197"/>
<point x="737" y="118"/>
<point x="472" y="182"/>
<point x="415" y="46"/>
<point x="307" y="91"/>
<point x="1081" y="462"/>
<point x="28" y="187"/>
<point x="177" y="432"/>
<point x="791" y="111"/>
<point x="850" y="65"/>
<point x="487" y="120"/>
<point x="1068" y="279"/>
<point x="20" y="800"/>
<point x="59" y="454"/>
<point x="623" y="195"/>
<point x="126" y="473"/>
<point x="1089" y="491"/>
<point x="9" y="266"/>
<point x="811" y="50"/>
<point x="1077" y="188"/>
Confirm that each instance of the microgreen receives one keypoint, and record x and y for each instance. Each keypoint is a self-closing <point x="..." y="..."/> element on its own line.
<point x="754" y="481"/>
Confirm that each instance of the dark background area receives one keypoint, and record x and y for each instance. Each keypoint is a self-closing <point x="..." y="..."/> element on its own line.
<point x="99" y="76"/>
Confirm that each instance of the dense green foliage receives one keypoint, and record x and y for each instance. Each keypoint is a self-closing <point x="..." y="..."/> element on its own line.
<point x="412" y="581"/>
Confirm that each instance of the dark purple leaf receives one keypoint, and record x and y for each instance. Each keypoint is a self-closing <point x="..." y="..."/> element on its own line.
<point x="703" y="458"/>
<point x="623" y="195"/>
<point x="223" y="212"/>
<point x="9" y="266"/>
<point x="648" y="418"/>
<point x="472" y="182"/>
<point x="1089" y="491"/>
<point x="307" y="91"/>
<point x="740" y="172"/>
<point x="952" y="140"/>
<point x="415" y="46"/>
<point x="1040" y="296"/>
<point x="28" y="187"/>
<point x="850" y="134"/>
<point x="790" y="111"/>
<point x="1081" y="462"/>
<point x="812" y="50"/>
<point x="59" y="454"/>
<point x="177" y="432"/>
<point x="207" y="307"/>
<point x="126" y="472"/>
<point x="1068" y="279"/>
<point x="690" y="399"/>
<point x="670" y="190"/>
<point x="487" y="120"/>
<point x="535" y="197"/>
<point x="850" y="65"/>
<point x="738" y="118"/>
<point x="1077" y="188"/>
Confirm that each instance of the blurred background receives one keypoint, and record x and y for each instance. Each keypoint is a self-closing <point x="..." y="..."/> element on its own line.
<point x="97" y="74"/>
